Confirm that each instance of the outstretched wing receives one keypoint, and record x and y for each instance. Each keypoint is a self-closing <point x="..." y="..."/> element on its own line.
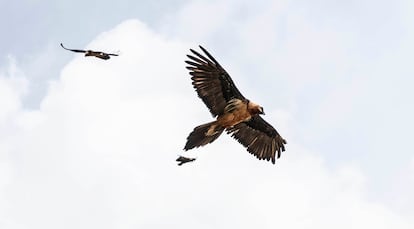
<point x="73" y="50"/>
<point x="212" y="83"/>
<point x="181" y="158"/>
<point x="259" y="137"/>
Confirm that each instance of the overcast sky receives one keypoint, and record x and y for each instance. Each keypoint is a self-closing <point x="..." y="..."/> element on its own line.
<point x="88" y="143"/>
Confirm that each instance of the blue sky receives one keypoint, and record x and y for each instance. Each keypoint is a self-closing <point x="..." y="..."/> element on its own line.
<point x="86" y="143"/>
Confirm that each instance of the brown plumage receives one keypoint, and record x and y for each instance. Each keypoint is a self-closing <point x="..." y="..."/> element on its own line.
<point x="182" y="160"/>
<point x="234" y="113"/>
<point x="98" y="54"/>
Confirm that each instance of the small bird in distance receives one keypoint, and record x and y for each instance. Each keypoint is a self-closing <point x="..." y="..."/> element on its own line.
<point x="98" y="54"/>
<point x="182" y="160"/>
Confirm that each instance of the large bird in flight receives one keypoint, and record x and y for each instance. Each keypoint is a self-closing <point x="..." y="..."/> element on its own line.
<point x="99" y="54"/>
<point x="234" y="113"/>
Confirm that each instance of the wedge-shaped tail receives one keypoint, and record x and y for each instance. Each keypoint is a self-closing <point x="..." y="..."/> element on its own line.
<point x="203" y="135"/>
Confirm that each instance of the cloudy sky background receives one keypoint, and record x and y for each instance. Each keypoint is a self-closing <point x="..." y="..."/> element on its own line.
<point x="87" y="143"/>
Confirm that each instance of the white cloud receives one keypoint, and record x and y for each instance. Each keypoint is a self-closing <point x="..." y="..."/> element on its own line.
<point x="13" y="85"/>
<point x="100" y="153"/>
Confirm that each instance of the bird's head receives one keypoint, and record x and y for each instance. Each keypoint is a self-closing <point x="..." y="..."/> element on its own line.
<point x="255" y="108"/>
<point x="261" y="111"/>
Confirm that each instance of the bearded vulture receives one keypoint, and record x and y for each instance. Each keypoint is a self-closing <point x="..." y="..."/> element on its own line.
<point x="98" y="54"/>
<point x="234" y="113"/>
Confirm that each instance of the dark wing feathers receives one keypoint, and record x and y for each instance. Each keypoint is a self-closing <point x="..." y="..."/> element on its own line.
<point x="202" y="57"/>
<point x="229" y="88"/>
<point x="259" y="137"/>
<point x="212" y="83"/>
<point x="73" y="50"/>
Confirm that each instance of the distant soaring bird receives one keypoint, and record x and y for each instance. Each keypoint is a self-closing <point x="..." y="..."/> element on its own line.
<point x="181" y="160"/>
<point x="234" y="113"/>
<point x="98" y="54"/>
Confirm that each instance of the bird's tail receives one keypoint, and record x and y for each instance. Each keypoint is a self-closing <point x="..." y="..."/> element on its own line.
<point x="203" y="135"/>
